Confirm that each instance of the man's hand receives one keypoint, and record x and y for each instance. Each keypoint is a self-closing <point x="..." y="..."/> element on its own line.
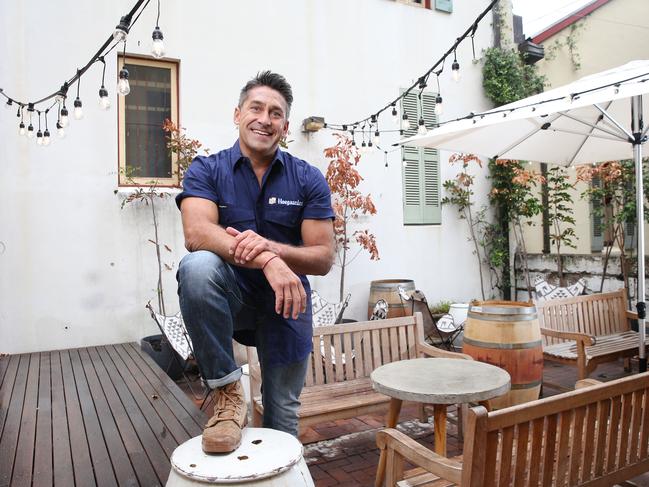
<point x="290" y="297"/>
<point x="248" y="245"/>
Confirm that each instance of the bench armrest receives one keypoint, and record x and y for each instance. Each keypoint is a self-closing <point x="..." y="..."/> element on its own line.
<point x="631" y="315"/>
<point x="585" y="383"/>
<point x="399" y="447"/>
<point x="587" y="340"/>
<point x="430" y="351"/>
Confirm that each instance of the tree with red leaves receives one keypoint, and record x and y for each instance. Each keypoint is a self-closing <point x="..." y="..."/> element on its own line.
<point x="348" y="204"/>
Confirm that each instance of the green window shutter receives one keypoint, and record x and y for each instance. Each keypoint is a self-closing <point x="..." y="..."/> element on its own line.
<point x="597" y="221"/>
<point x="421" y="178"/>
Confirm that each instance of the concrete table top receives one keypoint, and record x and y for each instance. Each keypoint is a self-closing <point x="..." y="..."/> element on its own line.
<point x="440" y="380"/>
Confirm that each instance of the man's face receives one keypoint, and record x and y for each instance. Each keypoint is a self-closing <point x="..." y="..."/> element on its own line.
<point x="262" y="121"/>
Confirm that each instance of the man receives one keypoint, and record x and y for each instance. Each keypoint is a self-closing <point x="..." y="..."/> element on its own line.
<point x="256" y="220"/>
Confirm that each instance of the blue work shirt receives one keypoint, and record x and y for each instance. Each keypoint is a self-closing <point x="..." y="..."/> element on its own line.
<point x="291" y="190"/>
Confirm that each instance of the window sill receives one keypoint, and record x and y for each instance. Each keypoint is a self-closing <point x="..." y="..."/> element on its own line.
<point x="129" y="190"/>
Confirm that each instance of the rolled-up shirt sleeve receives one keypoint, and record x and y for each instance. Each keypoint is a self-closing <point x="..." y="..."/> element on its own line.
<point x="318" y="201"/>
<point x="199" y="180"/>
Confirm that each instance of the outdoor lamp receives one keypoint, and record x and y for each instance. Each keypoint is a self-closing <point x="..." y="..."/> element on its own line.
<point x="439" y="107"/>
<point x="21" y="129"/>
<point x="455" y="71"/>
<point x="46" y="137"/>
<point x="39" y="137"/>
<point x="62" y="93"/>
<point x="64" y="117"/>
<point x="121" y="29"/>
<point x="405" y="123"/>
<point x="377" y="137"/>
<point x="157" y="47"/>
<point x="369" y="146"/>
<point x="363" y="148"/>
<point x="78" y="110"/>
<point x="60" y="130"/>
<point x="123" y="88"/>
<point x="8" y="104"/>
<point x="104" y="102"/>
<point x="30" y="131"/>
<point x="422" y="127"/>
<point x="395" y="115"/>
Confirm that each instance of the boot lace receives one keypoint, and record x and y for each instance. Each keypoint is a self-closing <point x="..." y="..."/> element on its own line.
<point x="229" y="404"/>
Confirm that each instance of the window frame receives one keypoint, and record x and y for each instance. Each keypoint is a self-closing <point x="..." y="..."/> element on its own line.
<point x="174" y="66"/>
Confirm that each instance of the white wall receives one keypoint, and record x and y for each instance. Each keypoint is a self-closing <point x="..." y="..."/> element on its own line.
<point x="76" y="270"/>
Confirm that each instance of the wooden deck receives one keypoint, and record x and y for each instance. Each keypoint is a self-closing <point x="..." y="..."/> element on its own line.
<point x="97" y="416"/>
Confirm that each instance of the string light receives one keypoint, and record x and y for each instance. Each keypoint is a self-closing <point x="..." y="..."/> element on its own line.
<point x="64" y="120"/>
<point x="39" y="134"/>
<point x="46" y="134"/>
<point x="30" y="129"/>
<point x="123" y="86"/>
<point x="439" y="107"/>
<point x="104" y="101"/>
<point x="78" y="106"/>
<point x="455" y="68"/>
<point x="9" y="104"/>
<point x="157" y="46"/>
<point x="121" y="29"/>
<point x="405" y="123"/>
<point x="21" y="127"/>
<point x="422" y="127"/>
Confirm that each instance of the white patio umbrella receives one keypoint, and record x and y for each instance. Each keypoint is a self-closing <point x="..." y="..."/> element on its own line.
<point x="596" y="118"/>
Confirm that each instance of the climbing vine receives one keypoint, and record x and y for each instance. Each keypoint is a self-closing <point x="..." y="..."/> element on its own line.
<point x="506" y="78"/>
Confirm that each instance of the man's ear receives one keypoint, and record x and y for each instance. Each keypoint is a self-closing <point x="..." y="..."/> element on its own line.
<point x="285" y="131"/>
<point x="237" y="115"/>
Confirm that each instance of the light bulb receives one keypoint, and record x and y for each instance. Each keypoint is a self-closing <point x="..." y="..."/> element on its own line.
<point x="363" y="148"/>
<point x="60" y="130"/>
<point x="395" y="115"/>
<point x="46" y="137"/>
<point x="78" y="110"/>
<point x="21" y="129"/>
<point x="39" y="137"/>
<point x="8" y="105"/>
<point x="64" y="117"/>
<point x="405" y="123"/>
<point x="104" y="102"/>
<point x="377" y="138"/>
<point x="405" y="163"/>
<point x="370" y="148"/>
<point x="123" y="87"/>
<point x="30" y="131"/>
<point x="422" y="127"/>
<point x="157" y="47"/>
<point x="439" y="107"/>
<point x="455" y="71"/>
<point x="121" y="29"/>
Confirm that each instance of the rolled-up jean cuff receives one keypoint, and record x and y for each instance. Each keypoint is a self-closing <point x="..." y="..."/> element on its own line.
<point x="233" y="376"/>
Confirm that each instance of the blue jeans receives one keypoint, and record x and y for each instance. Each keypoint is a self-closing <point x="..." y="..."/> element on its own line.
<point x="213" y="307"/>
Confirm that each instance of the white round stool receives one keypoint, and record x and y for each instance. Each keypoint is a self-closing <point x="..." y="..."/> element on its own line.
<point x="266" y="457"/>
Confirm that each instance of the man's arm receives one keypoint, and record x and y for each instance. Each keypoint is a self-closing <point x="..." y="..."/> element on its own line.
<point x="315" y="257"/>
<point x="200" y="218"/>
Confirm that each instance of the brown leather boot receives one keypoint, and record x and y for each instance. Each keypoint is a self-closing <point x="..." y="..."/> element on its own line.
<point x="222" y="433"/>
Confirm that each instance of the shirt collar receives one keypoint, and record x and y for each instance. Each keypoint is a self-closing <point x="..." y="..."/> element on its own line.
<point x="236" y="157"/>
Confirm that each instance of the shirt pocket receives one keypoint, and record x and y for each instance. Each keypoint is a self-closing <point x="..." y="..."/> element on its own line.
<point x="239" y="218"/>
<point x="286" y="222"/>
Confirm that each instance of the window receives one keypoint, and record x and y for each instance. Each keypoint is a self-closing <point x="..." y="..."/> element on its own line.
<point x="420" y="169"/>
<point x="143" y="155"/>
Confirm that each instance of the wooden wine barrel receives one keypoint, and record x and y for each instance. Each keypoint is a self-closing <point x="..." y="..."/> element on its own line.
<point x="388" y="289"/>
<point x="507" y="334"/>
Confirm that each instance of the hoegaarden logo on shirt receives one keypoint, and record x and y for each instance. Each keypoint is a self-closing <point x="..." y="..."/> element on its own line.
<point x="273" y="200"/>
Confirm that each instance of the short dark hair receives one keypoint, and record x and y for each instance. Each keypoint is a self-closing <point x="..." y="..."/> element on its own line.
<point x="273" y="80"/>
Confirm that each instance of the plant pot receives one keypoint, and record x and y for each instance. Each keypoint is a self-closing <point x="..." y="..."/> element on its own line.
<point x="158" y="348"/>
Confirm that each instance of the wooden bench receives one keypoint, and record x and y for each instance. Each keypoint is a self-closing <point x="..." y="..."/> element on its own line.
<point x="595" y="436"/>
<point x="587" y="330"/>
<point x="337" y="384"/>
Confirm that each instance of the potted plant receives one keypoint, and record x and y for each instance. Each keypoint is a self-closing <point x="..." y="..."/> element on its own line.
<point x="348" y="204"/>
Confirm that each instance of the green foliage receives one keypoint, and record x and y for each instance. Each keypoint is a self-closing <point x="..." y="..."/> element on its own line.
<point x="440" y="308"/>
<point x="569" y="42"/>
<point x="561" y="207"/>
<point x="506" y="78"/>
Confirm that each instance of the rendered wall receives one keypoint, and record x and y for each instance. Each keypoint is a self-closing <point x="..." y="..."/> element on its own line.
<point x="76" y="270"/>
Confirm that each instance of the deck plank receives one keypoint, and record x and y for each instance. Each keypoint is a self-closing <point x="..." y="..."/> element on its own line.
<point x="10" y="433"/>
<point x="103" y="416"/>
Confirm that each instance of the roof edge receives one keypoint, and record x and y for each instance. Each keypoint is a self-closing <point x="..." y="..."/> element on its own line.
<point x="568" y="20"/>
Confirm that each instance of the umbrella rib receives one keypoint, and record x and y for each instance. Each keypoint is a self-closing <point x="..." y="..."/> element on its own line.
<point x="521" y="140"/>
<point x="594" y="127"/>
<point x="615" y="138"/>
<point x="615" y="122"/>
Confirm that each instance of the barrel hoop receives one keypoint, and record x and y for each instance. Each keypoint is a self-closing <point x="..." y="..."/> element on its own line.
<point x="504" y="310"/>
<point x="390" y="305"/>
<point x="505" y="318"/>
<point x="529" y="385"/>
<point x="501" y="346"/>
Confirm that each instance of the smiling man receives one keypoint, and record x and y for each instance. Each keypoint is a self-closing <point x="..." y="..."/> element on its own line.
<point x="256" y="221"/>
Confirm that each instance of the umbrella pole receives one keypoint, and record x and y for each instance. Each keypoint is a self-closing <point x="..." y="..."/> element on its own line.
<point x="636" y="116"/>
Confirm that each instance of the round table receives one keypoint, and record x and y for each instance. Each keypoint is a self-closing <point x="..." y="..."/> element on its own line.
<point x="437" y="381"/>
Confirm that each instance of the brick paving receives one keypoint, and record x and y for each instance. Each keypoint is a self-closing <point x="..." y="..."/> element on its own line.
<point x="343" y="453"/>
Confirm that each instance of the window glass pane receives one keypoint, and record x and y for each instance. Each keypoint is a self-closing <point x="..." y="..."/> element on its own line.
<point x="147" y="106"/>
